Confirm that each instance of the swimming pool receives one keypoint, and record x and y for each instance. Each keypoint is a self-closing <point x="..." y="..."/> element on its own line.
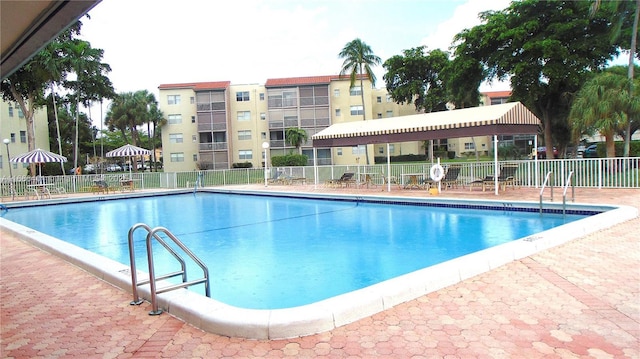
<point x="277" y="252"/>
<point x="333" y="215"/>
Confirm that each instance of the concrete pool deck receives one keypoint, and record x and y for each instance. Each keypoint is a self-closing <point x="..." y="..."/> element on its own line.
<point x="578" y="299"/>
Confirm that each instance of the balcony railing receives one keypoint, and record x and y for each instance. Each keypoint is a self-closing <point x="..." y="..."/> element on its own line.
<point x="215" y="146"/>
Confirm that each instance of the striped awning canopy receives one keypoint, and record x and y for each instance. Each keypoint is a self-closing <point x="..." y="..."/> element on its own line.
<point x="38" y="156"/>
<point x="127" y="151"/>
<point x="504" y="119"/>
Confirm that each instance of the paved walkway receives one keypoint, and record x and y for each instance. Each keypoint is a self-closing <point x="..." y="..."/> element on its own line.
<point x="578" y="300"/>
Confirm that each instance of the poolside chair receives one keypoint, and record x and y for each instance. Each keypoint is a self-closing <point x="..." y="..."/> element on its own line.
<point x="100" y="186"/>
<point x="506" y="177"/>
<point x="277" y="178"/>
<point x="450" y="178"/>
<point x="345" y="180"/>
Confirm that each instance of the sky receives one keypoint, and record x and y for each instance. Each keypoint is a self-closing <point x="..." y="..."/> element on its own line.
<point x="152" y="42"/>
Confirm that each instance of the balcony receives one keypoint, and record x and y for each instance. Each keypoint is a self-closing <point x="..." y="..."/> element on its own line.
<point x="215" y="146"/>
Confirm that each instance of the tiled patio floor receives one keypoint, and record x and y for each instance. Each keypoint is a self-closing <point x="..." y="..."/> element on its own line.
<point x="578" y="300"/>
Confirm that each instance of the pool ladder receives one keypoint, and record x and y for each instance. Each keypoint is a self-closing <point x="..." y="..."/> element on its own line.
<point x="154" y="234"/>
<point x="549" y="179"/>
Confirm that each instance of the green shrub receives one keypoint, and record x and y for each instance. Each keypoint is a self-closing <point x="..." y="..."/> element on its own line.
<point x="292" y="159"/>
<point x="242" y="165"/>
<point x="634" y="149"/>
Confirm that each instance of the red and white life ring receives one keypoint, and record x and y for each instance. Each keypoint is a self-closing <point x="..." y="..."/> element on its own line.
<point x="436" y="173"/>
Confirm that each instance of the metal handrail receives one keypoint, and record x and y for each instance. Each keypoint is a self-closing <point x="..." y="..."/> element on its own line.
<point x="132" y="261"/>
<point x="152" y="279"/>
<point x="549" y="179"/>
<point x="564" y="193"/>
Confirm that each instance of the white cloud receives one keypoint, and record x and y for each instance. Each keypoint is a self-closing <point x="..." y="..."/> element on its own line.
<point x="465" y="16"/>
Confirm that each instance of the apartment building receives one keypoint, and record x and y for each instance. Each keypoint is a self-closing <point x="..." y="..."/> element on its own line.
<point x="13" y="127"/>
<point x="214" y="125"/>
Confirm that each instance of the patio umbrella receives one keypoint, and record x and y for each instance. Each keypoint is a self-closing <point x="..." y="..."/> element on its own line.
<point x="128" y="151"/>
<point x="38" y="156"/>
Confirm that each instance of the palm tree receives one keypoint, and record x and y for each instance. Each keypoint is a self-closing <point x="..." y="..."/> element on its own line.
<point x="358" y="60"/>
<point x="152" y="114"/>
<point x="604" y="104"/>
<point x="90" y="83"/>
<point x="620" y="10"/>
<point x="296" y="136"/>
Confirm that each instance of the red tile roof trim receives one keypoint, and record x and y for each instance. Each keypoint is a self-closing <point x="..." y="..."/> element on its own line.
<point x="218" y="85"/>
<point x="309" y="80"/>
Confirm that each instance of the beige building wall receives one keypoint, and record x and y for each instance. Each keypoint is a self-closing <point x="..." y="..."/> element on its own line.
<point x="248" y="132"/>
<point x="346" y="106"/>
<point x="179" y="135"/>
<point x="247" y="123"/>
<point x="13" y="126"/>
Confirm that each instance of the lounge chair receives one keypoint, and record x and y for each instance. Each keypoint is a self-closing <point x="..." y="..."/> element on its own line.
<point x="100" y="186"/>
<point x="450" y="178"/>
<point x="277" y="178"/>
<point x="506" y="177"/>
<point x="345" y="180"/>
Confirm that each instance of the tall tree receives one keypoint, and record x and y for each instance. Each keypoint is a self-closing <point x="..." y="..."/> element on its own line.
<point x="417" y="77"/>
<point x="296" y="136"/>
<point x="129" y="111"/>
<point x="90" y="83"/>
<point x="358" y="60"/>
<point x="623" y="13"/>
<point x="546" y="49"/>
<point x="605" y="105"/>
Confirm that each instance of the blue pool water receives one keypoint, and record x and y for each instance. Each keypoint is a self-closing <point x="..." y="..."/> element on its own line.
<point x="274" y="252"/>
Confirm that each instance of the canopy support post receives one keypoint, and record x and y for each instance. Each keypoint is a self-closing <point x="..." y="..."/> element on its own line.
<point x="388" y="168"/>
<point x="496" y="169"/>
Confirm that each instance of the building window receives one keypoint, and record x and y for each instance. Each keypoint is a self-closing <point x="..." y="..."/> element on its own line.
<point x="175" y="138"/>
<point x="13" y="138"/>
<point x="389" y="98"/>
<point x="245" y="154"/>
<point x="194" y="138"/>
<point x="263" y="135"/>
<point x="358" y="150"/>
<point x="336" y="93"/>
<point x="244" y="135"/>
<point x="23" y="136"/>
<point x="195" y="157"/>
<point x="10" y="111"/>
<point x="193" y="119"/>
<point x="20" y="114"/>
<point x="381" y="150"/>
<point x="392" y="148"/>
<point x="244" y="115"/>
<point x="389" y="113"/>
<point x="261" y="96"/>
<point x="379" y="115"/>
<point x="174" y="119"/>
<point x="173" y="99"/>
<point x="192" y="100"/>
<point x="356" y="110"/>
<point x="338" y="113"/>
<point x="177" y="157"/>
<point x="379" y="99"/>
<point x="339" y="151"/>
<point x="242" y="96"/>
<point x="355" y="91"/>
<point x="263" y="116"/>
<point x="469" y="146"/>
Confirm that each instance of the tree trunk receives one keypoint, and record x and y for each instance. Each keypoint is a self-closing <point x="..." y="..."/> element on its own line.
<point x="364" y="114"/>
<point x="632" y="52"/>
<point x="28" y="112"/>
<point x="55" y="114"/>
<point x="610" y="144"/>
